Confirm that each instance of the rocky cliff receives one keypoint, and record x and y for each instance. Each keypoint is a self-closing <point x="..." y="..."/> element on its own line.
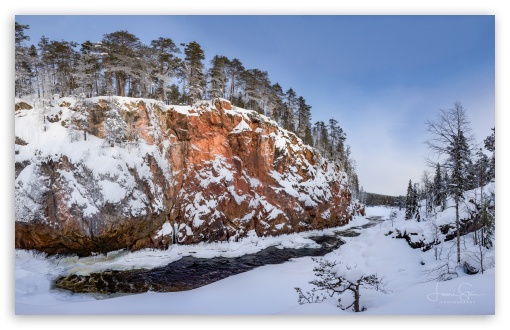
<point x="101" y="174"/>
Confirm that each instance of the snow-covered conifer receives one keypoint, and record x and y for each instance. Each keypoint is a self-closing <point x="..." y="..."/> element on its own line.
<point x="448" y="137"/>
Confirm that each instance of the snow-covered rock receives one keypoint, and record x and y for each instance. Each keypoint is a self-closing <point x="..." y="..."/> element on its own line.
<point x="106" y="173"/>
<point x="241" y="127"/>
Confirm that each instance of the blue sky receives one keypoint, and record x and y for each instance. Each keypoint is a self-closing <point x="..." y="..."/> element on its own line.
<point x="381" y="77"/>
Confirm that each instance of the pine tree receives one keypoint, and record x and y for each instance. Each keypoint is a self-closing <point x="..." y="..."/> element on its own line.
<point x="304" y="117"/>
<point x="235" y="71"/>
<point x="62" y="57"/>
<point x="337" y="150"/>
<point x="355" y="186"/>
<point x="256" y="86"/>
<point x="143" y="79"/>
<point x="487" y="220"/>
<point x="333" y="137"/>
<point x="447" y="137"/>
<point x="173" y="94"/>
<point x="195" y="70"/>
<point x="438" y="190"/>
<point x="288" y="120"/>
<point x="121" y="49"/>
<point x="445" y="195"/>
<point x="47" y="75"/>
<point x="482" y="169"/>
<point x="167" y="64"/>
<point x="410" y="202"/>
<point x="485" y="207"/>
<point x="276" y="104"/>
<point x="34" y="68"/>
<point x="427" y="192"/>
<point x="321" y="137"/>
<point x="459" y="163"/>
<point x="88" y="70"/>
<point x="471" y="174"/>
<point x="21" y="60"/>
<point x="218" y="76"/>
<point x="415" y="202"/>
<point x="490" y="145"/>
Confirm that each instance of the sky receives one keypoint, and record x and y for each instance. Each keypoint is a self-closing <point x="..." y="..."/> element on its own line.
<point x="382" y="77"/>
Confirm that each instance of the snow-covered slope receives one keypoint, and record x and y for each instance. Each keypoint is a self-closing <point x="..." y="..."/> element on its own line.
<point x="101" y="174"/>
<point x="438" y="225"/>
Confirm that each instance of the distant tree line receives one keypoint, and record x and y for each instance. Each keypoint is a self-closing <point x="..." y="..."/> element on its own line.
<point x="371" y="199"/>
<point x="120" y="64"/>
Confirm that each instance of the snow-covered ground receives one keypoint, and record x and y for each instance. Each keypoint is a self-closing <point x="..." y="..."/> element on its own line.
<point x="266" y="290"/>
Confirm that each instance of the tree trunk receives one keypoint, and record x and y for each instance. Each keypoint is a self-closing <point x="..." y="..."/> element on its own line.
<point x="122" y="84"/>
<point x="457" y="223"/>
<point x="356" y="298"/>
<point x="232" y="82"/>
<point x="162" y="89"/>
<point x="481" y="258"/>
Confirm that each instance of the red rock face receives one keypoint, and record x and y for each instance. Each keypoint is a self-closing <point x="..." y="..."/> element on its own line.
<point x="218" y="173"/>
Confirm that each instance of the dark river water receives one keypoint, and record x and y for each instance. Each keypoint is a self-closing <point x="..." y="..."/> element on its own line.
<point x="190" y="272"/>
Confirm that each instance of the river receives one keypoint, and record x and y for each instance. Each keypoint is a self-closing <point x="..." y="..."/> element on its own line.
<point x="190" y="272"/>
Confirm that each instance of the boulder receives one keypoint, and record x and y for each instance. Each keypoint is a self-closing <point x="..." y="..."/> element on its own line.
<point x="22" y="106"/>
<point x="468" y="269"/>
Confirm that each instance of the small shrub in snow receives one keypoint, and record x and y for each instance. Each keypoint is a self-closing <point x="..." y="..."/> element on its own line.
<point x="446" y="267"/>
<point x="330" y="282"/>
